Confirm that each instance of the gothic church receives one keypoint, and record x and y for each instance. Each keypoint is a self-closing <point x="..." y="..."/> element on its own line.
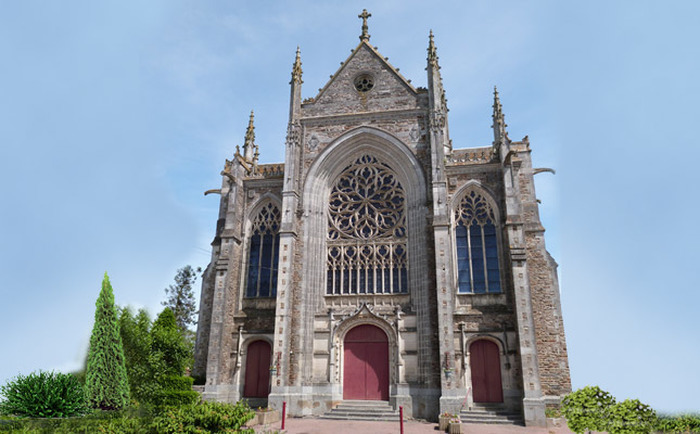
<point x="379" y="262"/>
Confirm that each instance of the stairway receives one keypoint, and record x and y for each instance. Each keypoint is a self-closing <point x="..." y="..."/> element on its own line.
<point x="256" y="403"/>
<point x="491" y="414"/>
<point x="363" y="410"/>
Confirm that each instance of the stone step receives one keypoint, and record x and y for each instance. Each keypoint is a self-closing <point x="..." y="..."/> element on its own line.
<point x="491" y="414"/>
<point x="255" y="403"/>
<point x="492" y="420"/>
<point x="362" y="410"/>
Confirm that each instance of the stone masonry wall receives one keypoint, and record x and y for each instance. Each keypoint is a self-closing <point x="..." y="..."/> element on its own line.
<point x="549" y="327"/>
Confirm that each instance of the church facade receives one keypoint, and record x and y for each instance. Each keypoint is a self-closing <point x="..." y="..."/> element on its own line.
<point x="379" y="261"/>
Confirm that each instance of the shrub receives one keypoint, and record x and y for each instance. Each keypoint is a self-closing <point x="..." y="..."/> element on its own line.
<point x="587" y="409"/>
<point x="43" y="394"/>
<point x="631" y="416"/>
<point x="680" y="423"/>
<point x="203" y="418"/>
<point x="131" y="421"/>
<point x="175" y="390"/>
<point x="592" y="409"/>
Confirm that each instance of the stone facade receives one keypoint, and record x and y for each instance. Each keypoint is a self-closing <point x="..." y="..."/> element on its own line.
<point x="428" y="295"/>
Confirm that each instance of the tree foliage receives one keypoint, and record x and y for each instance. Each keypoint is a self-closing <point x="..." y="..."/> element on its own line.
<point x="43" y="394"/>
<point x="135" y="332"/>
<point x="169" y="351"/>
<point x="156" y="357"/>
<point x="106" y="381"/>
<point x="180" y="297"/>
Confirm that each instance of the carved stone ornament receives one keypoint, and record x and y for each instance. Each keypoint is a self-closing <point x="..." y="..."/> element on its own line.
<point x="438" y="120"/>
<point x="313" y="144"/>
<point x="293" y="134"/>
<point x="414" y="134"/>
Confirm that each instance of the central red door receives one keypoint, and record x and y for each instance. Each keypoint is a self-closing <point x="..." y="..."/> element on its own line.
<point x="366" y="361"/>
<point x="257" y="370"/>
<point x="486" y="371"/>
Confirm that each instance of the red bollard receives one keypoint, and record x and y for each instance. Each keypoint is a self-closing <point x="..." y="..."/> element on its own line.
<point x="284" y="412"/>
<point x="401" y="417"/>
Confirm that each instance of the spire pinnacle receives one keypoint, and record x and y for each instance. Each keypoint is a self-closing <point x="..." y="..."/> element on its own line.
<point x="296" y="69"/>
<point x="499" y="120"/>
<point x="497" y="107"/>
<point x="364" y="15"/>
<point x="249" y="144"/>
<point x="432" y="51"/>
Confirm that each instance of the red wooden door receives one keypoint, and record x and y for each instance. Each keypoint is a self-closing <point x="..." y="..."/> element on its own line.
<point x="257" y="370"/>
<point x="366" y="362"/>
<point x="486" y="371"/>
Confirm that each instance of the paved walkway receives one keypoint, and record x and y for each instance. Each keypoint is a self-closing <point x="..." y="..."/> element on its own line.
<point x="324" y="426"/>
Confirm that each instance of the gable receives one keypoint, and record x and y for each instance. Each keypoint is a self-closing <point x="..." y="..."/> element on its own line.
<point x="388" y="89"/>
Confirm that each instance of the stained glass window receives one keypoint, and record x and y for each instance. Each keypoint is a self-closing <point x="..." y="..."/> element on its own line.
<point x="367" y="231"/>
<point x="263" y="254"/>
<point x="477" y="246"/>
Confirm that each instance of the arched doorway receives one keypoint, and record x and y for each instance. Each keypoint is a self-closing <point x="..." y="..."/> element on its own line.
<point x="366" y="364"/>
<point x="257" y="370"/>
<point x="486" y="371"/>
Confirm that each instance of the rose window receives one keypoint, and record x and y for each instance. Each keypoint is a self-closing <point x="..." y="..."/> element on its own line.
<point x="367" y="231"/>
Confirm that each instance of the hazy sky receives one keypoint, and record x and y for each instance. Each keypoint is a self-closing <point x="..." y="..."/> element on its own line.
<point x="116" y="116"/>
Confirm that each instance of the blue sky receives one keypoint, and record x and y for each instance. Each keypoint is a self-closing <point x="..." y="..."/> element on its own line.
<point x="115" y="117"/>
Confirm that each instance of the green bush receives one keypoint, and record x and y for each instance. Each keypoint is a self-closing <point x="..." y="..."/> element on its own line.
<point x="177" y="382"/>
<point x="681" y="423"/>
<point x="43" y="394"/>
<point x="131" y="421"/>
<point x="167" y="398"/>
<point x="175" y="390"/>
<point x="593" y="409"/>
<point x="204" y="418"/>
<point x="631" y="416"/>
<point x="587" y="409"/>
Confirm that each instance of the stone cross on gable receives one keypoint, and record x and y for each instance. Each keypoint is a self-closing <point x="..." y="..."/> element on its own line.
<point x="364" y="15"/>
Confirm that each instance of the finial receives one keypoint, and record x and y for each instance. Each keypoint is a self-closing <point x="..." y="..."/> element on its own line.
<point x="432" y="50"/>
<point x="499" y="120"/>
<point x="249" y="144"/>
<point x="497" y="108"/>
<point x="296" y="69"/>
<point x="364" y="15"/>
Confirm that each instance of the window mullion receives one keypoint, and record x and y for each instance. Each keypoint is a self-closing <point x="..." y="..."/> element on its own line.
<point x="469" y="256"/>
<point x="483" y="254"/>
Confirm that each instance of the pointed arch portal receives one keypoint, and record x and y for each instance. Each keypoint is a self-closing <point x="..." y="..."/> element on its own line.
<point x="366" y="364"/>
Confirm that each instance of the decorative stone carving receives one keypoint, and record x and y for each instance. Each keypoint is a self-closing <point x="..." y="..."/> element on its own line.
<point x="313" y="144"/>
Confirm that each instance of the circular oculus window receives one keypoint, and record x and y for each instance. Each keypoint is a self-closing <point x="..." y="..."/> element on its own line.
<point x="364" y="83"/>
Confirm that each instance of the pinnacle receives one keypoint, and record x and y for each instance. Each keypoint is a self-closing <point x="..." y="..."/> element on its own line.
<point x="432" y="50"/>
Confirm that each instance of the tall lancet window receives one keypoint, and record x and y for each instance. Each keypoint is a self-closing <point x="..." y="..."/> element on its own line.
<point x="367" y="231"/>
<point x="477" y="245"/>
<point x="263" y="254"/>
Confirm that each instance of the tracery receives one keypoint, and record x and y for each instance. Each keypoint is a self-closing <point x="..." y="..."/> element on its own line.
<point x="477" y="245"/>
<point x="367" y="231"/>
<point x="263" y="255"/>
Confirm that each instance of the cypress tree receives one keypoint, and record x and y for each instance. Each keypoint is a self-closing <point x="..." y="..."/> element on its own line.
<point x="136" y="340"/>
<point x="106" y="382"/>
